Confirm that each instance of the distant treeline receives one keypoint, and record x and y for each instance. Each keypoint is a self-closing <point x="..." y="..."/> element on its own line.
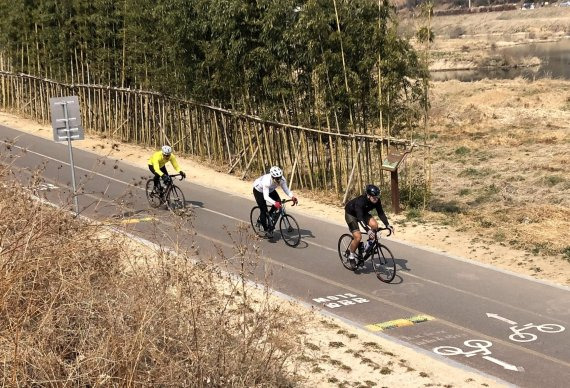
<point x="333" y="64"/>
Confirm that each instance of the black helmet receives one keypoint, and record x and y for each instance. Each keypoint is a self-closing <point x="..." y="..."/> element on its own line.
<point x="373" y="190"/>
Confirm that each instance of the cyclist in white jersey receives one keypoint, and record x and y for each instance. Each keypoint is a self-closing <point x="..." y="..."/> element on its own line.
<point x="264" y="191"/>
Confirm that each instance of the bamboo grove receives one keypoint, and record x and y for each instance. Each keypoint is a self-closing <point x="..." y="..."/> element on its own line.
<point x="322" y="87"/>
<point x="315" y="159"/>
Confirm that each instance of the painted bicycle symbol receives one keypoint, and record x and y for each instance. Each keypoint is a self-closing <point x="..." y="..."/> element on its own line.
<point x="519" y="334"/>
<point x="481" y="346"/>
<point x="519" y="331"/>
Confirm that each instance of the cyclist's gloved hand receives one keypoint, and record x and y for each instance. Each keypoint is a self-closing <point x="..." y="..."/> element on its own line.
<point x="166" y="178"/>
<point x="277" y="205"/>
<point x="295" y="201"/>
<point x="183" y="174"/>
<point x="371" y="234"/>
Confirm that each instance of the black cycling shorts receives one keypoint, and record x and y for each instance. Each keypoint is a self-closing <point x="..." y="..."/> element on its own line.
<point x="352" y="221"/>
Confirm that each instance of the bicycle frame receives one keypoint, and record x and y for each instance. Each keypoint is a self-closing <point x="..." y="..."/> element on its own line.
<point x="281" y="212"/>
<point x="375" y="244"/>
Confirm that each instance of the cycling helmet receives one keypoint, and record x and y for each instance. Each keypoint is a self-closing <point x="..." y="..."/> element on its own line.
<point x="166" y="150"/>
<point x="276" y="172"/>
<point x="373" y="190"/>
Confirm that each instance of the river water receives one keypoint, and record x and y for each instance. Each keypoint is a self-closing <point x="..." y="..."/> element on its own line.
<point x="555" y="58"/>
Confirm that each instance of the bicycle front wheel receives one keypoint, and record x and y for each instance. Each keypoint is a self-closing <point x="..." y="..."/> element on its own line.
<point x="151" y="195"/>
<point x="383" y="263"/>
<point x="550" y="328"/>
<point x="175" y="200"/>
<point x="255" y="222"/>
<point x="290" y="230"/>
<point x="344" y="250"/>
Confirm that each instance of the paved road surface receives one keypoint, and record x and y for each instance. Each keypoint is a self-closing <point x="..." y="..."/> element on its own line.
<point x="469" y="313"/>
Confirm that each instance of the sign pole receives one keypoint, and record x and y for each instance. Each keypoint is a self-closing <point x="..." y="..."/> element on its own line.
<point x="395" y="192"/>
<point x="67" y="129"/>
<point x="66" y="124"/>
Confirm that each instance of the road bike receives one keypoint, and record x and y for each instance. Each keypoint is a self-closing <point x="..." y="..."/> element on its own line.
<point x="381" y="257"/>
<point x="287" y="224"/>
<point x="172" y="195"/>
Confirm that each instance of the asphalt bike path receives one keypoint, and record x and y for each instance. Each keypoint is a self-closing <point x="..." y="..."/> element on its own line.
<point x="472" y="314"/>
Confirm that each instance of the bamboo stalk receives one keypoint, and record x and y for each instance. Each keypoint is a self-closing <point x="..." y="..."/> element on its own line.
<point x="351" y="174"/>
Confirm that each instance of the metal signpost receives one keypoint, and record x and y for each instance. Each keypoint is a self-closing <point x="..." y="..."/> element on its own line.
<point x="66" y="124"/>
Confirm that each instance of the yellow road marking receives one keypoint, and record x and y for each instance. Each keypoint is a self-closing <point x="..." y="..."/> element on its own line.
<point x="399" y="323"/>
<point x="130" y="220"/>
<point x="137" y="220"/>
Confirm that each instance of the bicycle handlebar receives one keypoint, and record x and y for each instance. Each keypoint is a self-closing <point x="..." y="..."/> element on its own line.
<point x="175" y="175"/>
<point x="287" y="200"/>
<point x="388" y="229"/>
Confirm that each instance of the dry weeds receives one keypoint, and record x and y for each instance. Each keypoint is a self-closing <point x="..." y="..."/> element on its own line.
<point x="78" y="308"/>
<point x="502" y="161"/>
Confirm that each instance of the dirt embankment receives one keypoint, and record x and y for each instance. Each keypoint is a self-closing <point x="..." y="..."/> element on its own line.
<point x="471" y="41"/>
<point x="502" y="164"/>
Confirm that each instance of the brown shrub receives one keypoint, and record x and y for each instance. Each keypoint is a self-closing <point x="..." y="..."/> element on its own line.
<point x="79" y="308"/>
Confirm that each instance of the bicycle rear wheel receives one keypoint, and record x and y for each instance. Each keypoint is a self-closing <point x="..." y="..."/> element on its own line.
<point x="151" y="195"/>
<point x="255" y="222"/>
<point x="344" y="250"/>
<point x="290" y="230"/>
<point x="383" y="263"/>
<point x="175" y="200"/>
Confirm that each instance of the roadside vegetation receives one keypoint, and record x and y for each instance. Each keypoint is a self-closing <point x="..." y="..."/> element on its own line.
<point x="500" y="170"/>
<point x="309" y="62"/>
<point x="501" y="157"/>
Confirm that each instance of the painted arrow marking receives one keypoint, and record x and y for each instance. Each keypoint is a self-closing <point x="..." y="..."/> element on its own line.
<point x="504" y="364"/>
<point x="496" y="316"/>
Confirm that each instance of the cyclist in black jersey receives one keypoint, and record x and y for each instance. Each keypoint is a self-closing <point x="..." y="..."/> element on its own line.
<point x="357" y="212"/>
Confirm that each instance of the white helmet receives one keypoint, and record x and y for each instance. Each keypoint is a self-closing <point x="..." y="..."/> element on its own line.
<point x="166" y="150"/>
<point x="275" y="172"/>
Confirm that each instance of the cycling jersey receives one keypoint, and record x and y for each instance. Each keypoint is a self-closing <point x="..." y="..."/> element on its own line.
<point x="266" y="184"/>
<point x="157" y="160"/>
<point x="360" y="208"/>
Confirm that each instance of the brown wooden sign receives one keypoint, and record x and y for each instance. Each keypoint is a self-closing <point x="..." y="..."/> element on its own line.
<point x="393" y="160"/>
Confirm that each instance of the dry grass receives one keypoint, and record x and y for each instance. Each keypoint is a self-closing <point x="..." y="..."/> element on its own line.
<point x="501" y="160"/>
<point x="80" y="308"/>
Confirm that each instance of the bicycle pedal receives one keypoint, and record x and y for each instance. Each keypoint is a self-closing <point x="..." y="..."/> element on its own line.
<point x="353" y="263"/>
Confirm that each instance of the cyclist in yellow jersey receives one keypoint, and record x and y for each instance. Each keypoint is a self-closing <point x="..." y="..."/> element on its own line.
<point x="157" y="165"/>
